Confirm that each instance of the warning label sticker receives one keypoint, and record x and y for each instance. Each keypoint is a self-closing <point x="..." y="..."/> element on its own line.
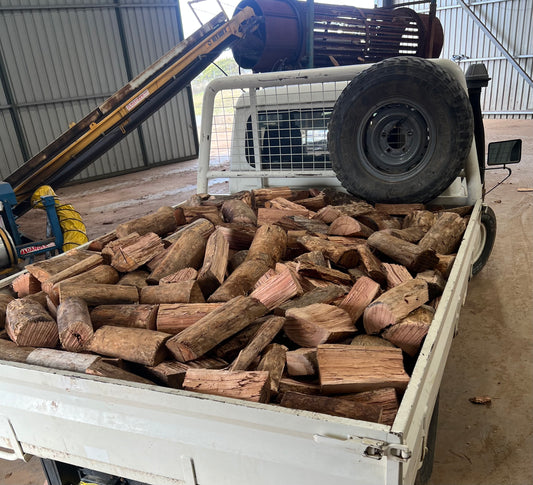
<point x="133" y="103"/>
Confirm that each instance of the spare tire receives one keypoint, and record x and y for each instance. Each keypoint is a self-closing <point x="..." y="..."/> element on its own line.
<point x="400" y="132"/>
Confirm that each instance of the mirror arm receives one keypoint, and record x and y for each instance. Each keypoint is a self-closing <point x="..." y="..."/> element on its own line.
<point x="503" y="167"/>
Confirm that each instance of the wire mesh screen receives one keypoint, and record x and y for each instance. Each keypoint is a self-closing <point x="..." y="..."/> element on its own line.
<point x="281" y="128"/>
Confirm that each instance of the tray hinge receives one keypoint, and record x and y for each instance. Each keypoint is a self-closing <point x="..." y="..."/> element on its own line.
<point x="367" y="447"/>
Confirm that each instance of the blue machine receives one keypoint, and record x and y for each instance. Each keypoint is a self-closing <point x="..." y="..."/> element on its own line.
<point x="13" y="244"/>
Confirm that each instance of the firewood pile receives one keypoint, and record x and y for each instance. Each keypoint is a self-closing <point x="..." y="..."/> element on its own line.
<point x="310" y="299"/>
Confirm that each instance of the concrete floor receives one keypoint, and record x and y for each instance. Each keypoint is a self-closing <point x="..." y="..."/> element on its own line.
<point x="491" y="356"/>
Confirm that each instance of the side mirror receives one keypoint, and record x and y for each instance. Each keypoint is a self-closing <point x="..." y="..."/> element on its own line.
<point x="504" y="152"/>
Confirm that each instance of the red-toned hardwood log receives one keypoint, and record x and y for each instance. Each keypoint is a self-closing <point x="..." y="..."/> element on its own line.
<point x="414" y="257"/>
<point x="260" y="196"/>
<point x="360" y="296"/>
<point x="239" y="236"/>
<point x="135" y="278"/>
<point x="12" y="352"/>
<point x="435" y="281"/>
<point x="133" y="344"/>
<point x="99" y="294"/>
<point x="314" y="203"/>
<point x="326" y="274"/>
<point x="236" y="210"/>
<point x="102" y="368"/>
<point x="101" y="242"/>
<point x="133" y="256"/>
<point x="318" y="323"/>
<point x="365" y="340"/>
<point x="371" y="265"/>
<point x="230" y="348"/>
<point x="213" y="271"/>
<point x="399" y="209"/>
<point x="43" y="270"/>
<point x="29" y="324"/>
<point x="350" y="368"/>
<point x="338" y="254"/>
<point x="334" y="406"/>
<point x="187" y="252"/>
<point x="277" y="289"/>
<point x="411" y="234"/>
<point x="74" y="270"/>
<point x="273" y="362"/>
<point x="102" y="274"/>
<point x="327" y="214"/>
<point x="264" y="335"/>
<point x="419" y="218"/>
<point x="327" y="294"/>
<point x="396" y="274"/>
<point x="211" y="213"/>
<point x="384" y="398"/>
<point x="181" y="292"/>
<point x="174" y="317"/>
<point x="133" y="316"/>
<point x="26" y="284"/>
<point x="409" y="332"/>
<point x="293" y="385"/>
<point x="201" y="226"/>
<point x="74" y="324"/>
<point x="250" y="386"/>
<point x="215" y="327"/>
<point x="348" y="226"/>
<point x="445" y="234"/>
<point x="445" y="264"/>
<point x="395" y="304"/>
<point x="302" y="362"/>
<point x="161" y="222"/>
<point x="185" y="274"/>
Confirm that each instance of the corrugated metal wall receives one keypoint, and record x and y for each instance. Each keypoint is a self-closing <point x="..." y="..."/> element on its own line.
<point x="509" y="95"/>
<point x="59" y="59"/>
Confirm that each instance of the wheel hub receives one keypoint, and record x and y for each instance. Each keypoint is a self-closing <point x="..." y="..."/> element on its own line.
<point x="396" y="139"/>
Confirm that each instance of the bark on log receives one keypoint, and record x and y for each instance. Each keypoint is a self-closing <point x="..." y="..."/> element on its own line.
<point x="298" y="222"/>
<point x="99" y="294"/>
<point x="314" y="257"/>
<point x="239" y="236"/>
<point x="384" y="398"/>
<point x="101" y="368"/>
<point x="414" y="257"/>
<point x="284" y="204"/>
<point x="185" y="274"/>
<point x="399" y="209"/>
<point x="314" y="203"/>
<point x="274" y="216"/>
<point x="302" y="362"/>
<point x="173" y="318"/>
<point x="445" y="264"/>
<point x="135" y="278"/>
<point x="326" y="295"/>
<point x="360" y="296"/>
<point x="318" y="323"/>
<point x="101" y="242"/>
<point x="273" y="362"/>
<point x="114" y="246"/>
<point x="260" y="196"/>
<point x="26" y="284"/>
<point x="334" y="406"/>
<point x="396" y="274"/>
<point x="326" y="274"/>
<point x="365" y="340"/>
<point x="161" y="222"/>
<point x="238" y="211"/>
<point x="371" y="265"/>
<point x="28" y="324"/>
<point x="102" y="274"/>
<point x="74" y="324"/>
<point x="343" y="256"/>
<point x="168" y="373"/>
<point x="4" y="301"/>
<point x="187" y="252"/>
<point x="230" y="348"/>
<point x="250" y="386"/>
<point x="134" y="255"/>
<point x="445" y="234"/>
<point x="420" y="218"/>
<point x="349" y="368"/>
<point x="182" y="292"/>
<point x="43" y="270"/>
<point x="328" y="214"/>
<point x="213" y="271"/>
<point x="410" y="234"/>
<point x="378" y="221"/>
<point x="435" y="281"/>
<point x="395" y="304"/>
<point x="292" y="385"/>
<point x="76" y="269"/>
<point x="11" y="352"/>
<point x="348" y="226"/>
<point x="202" y="227"/>
<point x="133" y="344"/>
<point x="266" y="333"/>
<point x="215" y="327"/>
<point x="133" y="316"/>
<point x="210" y="213"/>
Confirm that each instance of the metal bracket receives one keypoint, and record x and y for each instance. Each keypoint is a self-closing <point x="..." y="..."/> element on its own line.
<point x="8" y="434"/>
<point x="369" y="448"/>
